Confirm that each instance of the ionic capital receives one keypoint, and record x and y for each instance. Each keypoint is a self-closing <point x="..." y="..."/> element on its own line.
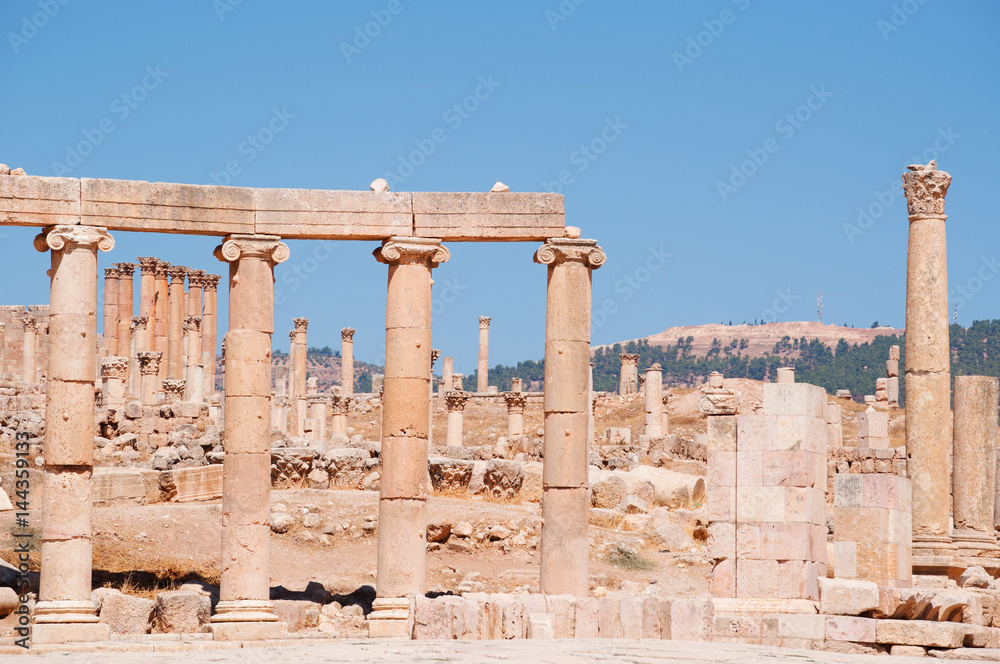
<point x="114" y="366"/>
<point x="63" y="238"/>
<point x="456" y="400"/>
<point x="925" y="188"/>
<point x="484" y="322"/>
<point x="718" y="402"/>
<point x="570" y="250"/>
<point x="149" y="361"/>
<point x="347" y="334"/>
<point x="264" y="247"/>
<point x="412" y="251"/>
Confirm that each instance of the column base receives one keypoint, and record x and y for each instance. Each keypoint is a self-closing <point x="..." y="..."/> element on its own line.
<point x="245" y="620"/>
<point x="65" y="611"/>
<point x="390" y="619"/>
<point x="933" y="545"/>
<point x="67" y="621"/>
<point x="244" y="610"/>
<point x="974" y="543"/>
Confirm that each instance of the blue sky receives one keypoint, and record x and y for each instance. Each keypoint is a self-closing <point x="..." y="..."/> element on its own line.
<point x="643" y="114"/>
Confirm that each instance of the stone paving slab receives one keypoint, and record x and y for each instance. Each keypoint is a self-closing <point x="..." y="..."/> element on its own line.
<point x="555" y="651"/>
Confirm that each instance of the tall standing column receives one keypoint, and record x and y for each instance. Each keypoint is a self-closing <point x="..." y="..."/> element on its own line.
<point x="175" y="323"/>
<point x="147" y="295"/>
<point x="29" y="351"/>
<point x="928" y="369"/>
<point x="209" y="330"/>
<point x="65" y="611"/>
<point x="565" y="500"/>
<point x="402" y="565"/>
<point x="196" y="282"/>
<point x="244" y="610"/>
<point x="193" y="378"/>
<point x="110" y="329"/>
<point x="483" y="382"/>
<point x="347" y="361"/>
<point x="299" y="373"/>
<point x="160" y="292"/>
<point x="654" y="401"/>
<point x="456" y="427"/>
<point x="126" y="273"/>
<point x="139" y="339"/>
<point x="447" y="375"/>
<point x="975" y="463"/>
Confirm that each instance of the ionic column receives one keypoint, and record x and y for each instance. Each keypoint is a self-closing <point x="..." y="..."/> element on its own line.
<point x="244" y="610"/>
<point x="975" y="460"/>
<point x="114" y="371"/>
<point x="455" y="401"/>
<point x="402" y="565"/>
<point x="110" y="327"/>
<point x="928" y="370"/>
<point x="139" y="340"/>
<point x="447" y="371"/>
<point x="149" y="369"/>
<point x="628" y="382"/>
<point x="209" y="330"/>
<point x="29" y="350"/>
<point x="317" y="413"/>
<point x="194" y="380"/>
<point x="654" y="401"/>
<point x="347" y="361"/>
<point x="126" y="273"/>
<point x="160" y="310"/>
<point x="147" y="295"/>
<point x="339" y="405"/>
<point x="299" y="373"/>
<point x="65" y="610"/>
<point x="515" y="414"/>
<point x="565" y="500"/>
<point x="175" y="323"/>
<point x="483" y="376"/>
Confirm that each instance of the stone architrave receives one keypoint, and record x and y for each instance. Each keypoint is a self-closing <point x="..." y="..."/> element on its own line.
<point x="347" y="361"/>
<point x="29" y="350"/>
<point x="628" y="382"/>
<point x="515" y="414"/>
<point x="928" y="357"/>
<point x="483" y="377"/>
<point x="139" y="339"/>
<point x="161" y="289"/>
<point x="455" y="401"/>
<point x="149" y="368"/>
<point x="110" y="328"/>
<point x="244" y="609"/>
<point x="402" y="564"/>
<point x="565" y="492"/>
<point x="175" y="324"/>
<point x="339" y="405"/>
<point x="194" y="379"/>
<point x="65" y="610"/>
<point x="147" y="295"/>
<point x="654" y="402"/>
<point x="975" y="461"/>
<point x="209" y="330"/>
<point x="126" y="276"/>
<point x="114" y="372"/>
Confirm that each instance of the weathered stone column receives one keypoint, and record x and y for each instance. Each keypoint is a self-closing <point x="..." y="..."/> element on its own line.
<point x="147" y="295"/>
<point x="149" y="368"/>
<point x="3" y="348"/>
<point x="515" y="415"/>
<point x="628" y="382"/>
<point x="402" y="565"/>
<point x="126" y="274"/>
<point x="928" y="370"/>
<point x="299" y="373"/>
<point x="447" y="370"/>
<point x="209" y="330"/>
<point x="347" y="361"/>
<point x="516" y="385"/>
<point x="435" y="354"/>
<point x="244" y="610"/>
<point x="455" y="401"/>
<point x="175" y="325"/>
<point x="975" y="462"/>
<point x="29" y="350"/>
<point x="114" y="371"/>
<point x="666" y="413"/>
<point x="194" y="379"/>
<point x="65" y="611"/>
<point x="654" y="401"/>
<point x="139" y="339"/>
<point x="483" y="377"/>
<point x="317" y="413"/>
<point x="892" y="372"/>
<point x="159" y="320"/>
<point x="339" y="405"/>
<point x="109" y="330"/>
<point x="196" y="281"/>
<point x="565" y="494"/>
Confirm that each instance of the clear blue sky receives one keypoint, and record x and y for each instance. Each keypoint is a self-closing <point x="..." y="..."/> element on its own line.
<point x="667" y="120"/>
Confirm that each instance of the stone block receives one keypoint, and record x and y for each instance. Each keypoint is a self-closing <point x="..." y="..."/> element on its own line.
<point x="692" y="619"/>
<point x="790" y="469"/>
<point x="125" y="614"/>
<point x="848" y="628"/>
<point x="920" y="633"/>
<point x="432" y="619"/>
<point x="609" y="617"/>
<point x="845" y="597"/>
<point x="760" y="503"/>
<point x="848" y="490"/>
<point x="722" y="582"/>
<point x="487" y="216"/>
<point x="332" y="215"/>
<point x="201" y="483"/>
<point x="56" y="633"/>
<point x="800" y="399"/>
<point x="182" y="611"/>
<point x="631" y="616"/>
<point x="562" y="608"/>
<point x="247" y="631"/>
<point x="801" y="626"/>
<point x="540" y="626"/>
<point x="586" y="621"/>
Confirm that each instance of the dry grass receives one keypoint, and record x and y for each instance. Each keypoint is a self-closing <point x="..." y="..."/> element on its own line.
<point x="146" y="574"/>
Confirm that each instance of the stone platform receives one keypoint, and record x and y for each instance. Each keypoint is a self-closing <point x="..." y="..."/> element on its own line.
<point x="953" y="566"/>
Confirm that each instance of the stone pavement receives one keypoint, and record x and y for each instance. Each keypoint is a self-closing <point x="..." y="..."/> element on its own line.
<point x="526" y="651"/>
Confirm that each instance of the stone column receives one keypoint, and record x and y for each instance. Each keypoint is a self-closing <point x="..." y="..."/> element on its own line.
<point x="3" y="348"/>
<point x="515" y="415"/>
<point x="628" y="382"/>
<point x="928" y="370"/>
<point x="447" y="369"/>
<point x="209" y="330"/>
<point x="173" y="390"/>
<point x="244" y="610"/>
<point x="565" y="494"/>
<point x="654" y="402"/>
<point x="159" y="321"/>
<point x="114" y="371"/>
<point x="666" y="413"/>
<point x="65" y="611"/>
<point x="126" y="274"/>
<point x="29" y="351"/>
<point x="402" y="565"/>
<point x="339" y="405"/>
<point x="892" y="373"/>
<point x="175" y="324"/>
<point x="516" y="385"/>
<point x="196" y="281"/>
<point x="147" y="296"/>
<point x="110" y="328"/>
<point x="785" y="375"/>
<point x="347" y="361"/>
<point x="592" y="400"/>
<point x="299" y="373"/>
<point x="149" y="368"/>
<point x="456" y="405"/>
<point x="317" y="413"/>
<point x="194" y="380"/>
<point x="975" y="462"/>
<point x="435" y="354"/>
<point x="484" y="354"/>
<point x="139" y="338"/>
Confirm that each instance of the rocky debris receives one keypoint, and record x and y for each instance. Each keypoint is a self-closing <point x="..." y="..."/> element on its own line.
<point x="503" y="478"/>
<point x="608" y="493"/>
<point x="125" y="614"/>
<point x="182" y="611"/>
<point x="451" y="475"/>
<point x="438" y="531"/>
<point x="281" y="522"/>
<point x="346" y="467"/>
<point x="975" y="577"/>
<point x="462" y="529"/>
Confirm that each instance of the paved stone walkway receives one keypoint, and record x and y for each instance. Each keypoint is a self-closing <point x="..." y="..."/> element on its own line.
<point x="470" y="652"/>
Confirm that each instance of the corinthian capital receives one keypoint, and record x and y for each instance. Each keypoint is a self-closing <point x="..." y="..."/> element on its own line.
<point x="161" y="269"/>
<point x="347" y="334"/>
<point x="571" y="250"/>
<point x="60" y="238"/>
<point x="149" y="361"/>
<point x="196" y="278"/>
<point x="266" y="247"/>
<point x="211" y="281"/>
<point x="177" y="273"/>
<point x="515" y="401"/>
<point x="114" y="367"/>
<point x="148" y="264"/>
<point x="412" y="250"/>
<point x="126" y="270"/>
<point x="456" y="400"/>
<point x="925" y="188"/>
<point x="484" y="322"/>
<point x="301" y="324"/>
